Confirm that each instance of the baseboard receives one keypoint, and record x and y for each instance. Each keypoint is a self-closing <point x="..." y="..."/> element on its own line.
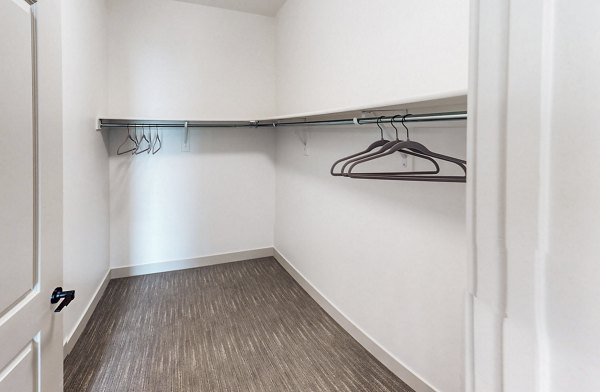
<point x="70" y="341"/>
<point x="386" y="358"/>
<point x="175" y="265"/>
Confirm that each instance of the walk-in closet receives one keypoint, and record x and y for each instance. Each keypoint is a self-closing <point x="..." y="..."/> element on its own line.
<point x="299" y="196"/>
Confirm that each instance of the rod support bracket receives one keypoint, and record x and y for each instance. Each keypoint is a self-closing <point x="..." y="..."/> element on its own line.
<point x="185" y="146"/>
<point x="304" y="135"/>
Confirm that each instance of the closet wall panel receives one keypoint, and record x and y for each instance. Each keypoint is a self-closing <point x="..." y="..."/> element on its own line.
<point x="391" y="256"/>
<point x="85" y="158"/>
<point x="176" y="60"/>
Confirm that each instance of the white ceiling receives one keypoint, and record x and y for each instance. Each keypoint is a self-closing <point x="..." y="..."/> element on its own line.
<point x="260" y="7"/>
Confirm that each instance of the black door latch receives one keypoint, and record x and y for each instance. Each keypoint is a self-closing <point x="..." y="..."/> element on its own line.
<point x="66" y="296"/>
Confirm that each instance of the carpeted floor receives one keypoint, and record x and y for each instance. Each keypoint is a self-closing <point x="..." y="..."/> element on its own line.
<point x="238" y="327"/>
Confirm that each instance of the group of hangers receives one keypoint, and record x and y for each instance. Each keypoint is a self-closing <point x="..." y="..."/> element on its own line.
<point x="141" y="144"/>
<point x="383" y="148"/>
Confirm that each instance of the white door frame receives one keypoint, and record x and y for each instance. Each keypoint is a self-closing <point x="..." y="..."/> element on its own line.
<point x="508" y="145"/>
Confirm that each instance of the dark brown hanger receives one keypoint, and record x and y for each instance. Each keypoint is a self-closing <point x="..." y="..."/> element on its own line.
<point x="414" y="147"/>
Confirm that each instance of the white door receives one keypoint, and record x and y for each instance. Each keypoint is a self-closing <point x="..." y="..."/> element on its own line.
<point x="30" y="196"/>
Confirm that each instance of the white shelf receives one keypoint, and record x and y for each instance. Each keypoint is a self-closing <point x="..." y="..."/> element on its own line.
<point x="454" y="100"/>
<point x="448" y="101"/>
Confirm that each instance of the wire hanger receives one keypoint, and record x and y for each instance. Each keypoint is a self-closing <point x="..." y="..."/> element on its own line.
<point x="128" y="138"/>
<point x="137" y="141"/>
<point x="150" y="142"/>
<point x="138" y="151"/>
<point x="157" y="140"/>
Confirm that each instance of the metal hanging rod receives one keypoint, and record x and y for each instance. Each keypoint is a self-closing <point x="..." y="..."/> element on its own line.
<point x="428" y="117"/>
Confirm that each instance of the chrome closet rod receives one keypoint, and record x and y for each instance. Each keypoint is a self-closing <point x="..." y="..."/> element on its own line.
<point x="427" y="117"/>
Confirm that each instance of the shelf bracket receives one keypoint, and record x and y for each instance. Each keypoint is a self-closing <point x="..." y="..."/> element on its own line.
<point x="185" y="146"/>
<point x="304" y="136"/>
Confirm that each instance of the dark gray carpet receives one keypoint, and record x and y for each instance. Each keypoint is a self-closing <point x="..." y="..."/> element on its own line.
<point x="238" y="327"/>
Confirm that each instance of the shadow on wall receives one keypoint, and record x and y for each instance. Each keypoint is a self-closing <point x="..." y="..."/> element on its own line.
<point x="202" y="140"/>
<point x="216" y="198"/>
<point x="106" y="139"/>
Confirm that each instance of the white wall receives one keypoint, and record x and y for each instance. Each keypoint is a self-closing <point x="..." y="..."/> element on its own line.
<point x="573" y="268"/>
<point x="217" y="198"/>
<point x="337" y="54"/>
<point x="390" y="255"/>
<point x="85" y="187"/>
<point x="170" y="59"/>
